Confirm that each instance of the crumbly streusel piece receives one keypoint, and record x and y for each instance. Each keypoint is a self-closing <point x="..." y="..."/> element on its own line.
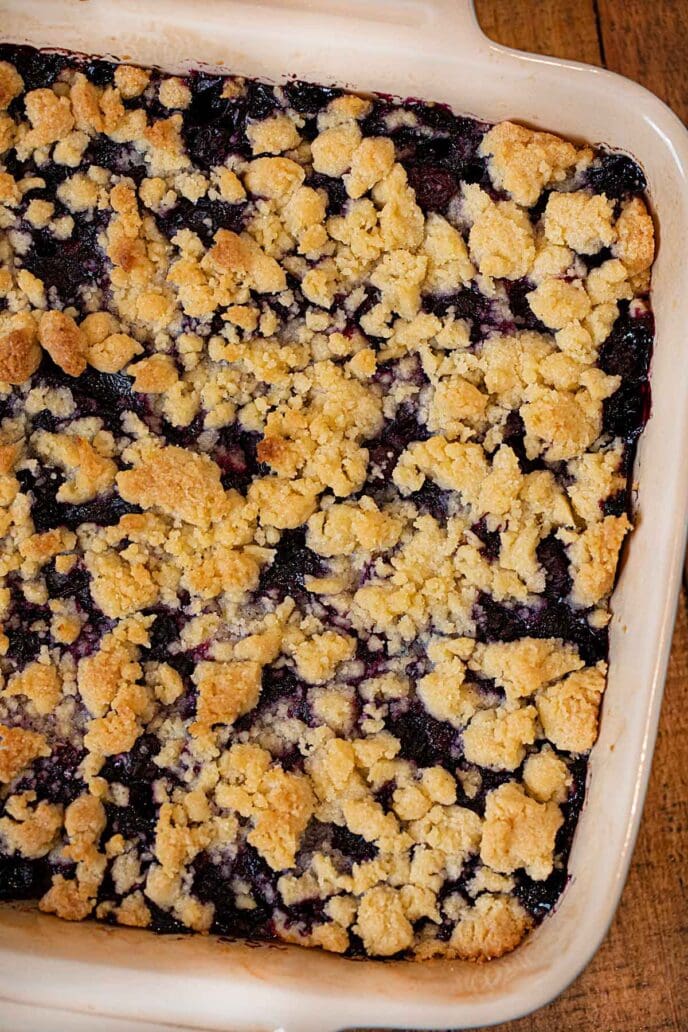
<point x="318" y="413"/>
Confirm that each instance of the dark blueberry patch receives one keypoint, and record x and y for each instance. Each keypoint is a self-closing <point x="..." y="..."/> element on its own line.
<point x="135" y="766"/>
<point x="616" y="504"/>
<point x="394" y="438"/>
<point x="208" y="145"/>
<point x="514" y="437"/>
<point x="626" y="412"/>
<point x="181" y="436"/>
<point x="163" y="633"/>
<point x="551" y="554"/>
<point x="335" y="189"/>
<point x="214" y="126"/>
<point x="549" y="619"/>
<point x="434" y="186"/>
<point x="121" y="157"/>
<point x="539" y="897"/>
<point x="593" y="261"/>
<point x="101" y="73"/>
<point x="204" y="218"/>
<point x="67" y="265"/>
<point x="628" y="349"/>
<point x="432" y="500"/>
<point x="321" y="837"/>
<point x="538" y="209"/>
<point x="236" y="454"/>
<point x="292" y="562"/>
<point x="23" y="646"/>
<point x="45" y="420"/>
<point x="261" y="100"/>
<point x="56" y="777"/>
<point x="164" y="923"/>
<point x="134" y="821"/>
<point x="37" y="68"/>
<point x="280" y="686"/>
<point x="23" y="879"/>
<point x="423" y="739"/>
<point x="467" y="303"/>
<point x="616" y="175"/>
<point x="523" y="315"/>
<point x="212" y="884"/>
<point x="491" y="540"/>
<point x="106" y="395"/>
<point x="47" y="513"/>
<point x="307" y="98"/>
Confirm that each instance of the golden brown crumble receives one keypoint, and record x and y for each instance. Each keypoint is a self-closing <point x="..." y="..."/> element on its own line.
<point x="309" y="365"/>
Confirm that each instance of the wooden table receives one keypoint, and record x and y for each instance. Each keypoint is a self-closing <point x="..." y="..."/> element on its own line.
<point x="638" y="981"/>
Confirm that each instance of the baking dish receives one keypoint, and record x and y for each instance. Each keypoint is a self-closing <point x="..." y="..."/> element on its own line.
<point x="237" y="986"/>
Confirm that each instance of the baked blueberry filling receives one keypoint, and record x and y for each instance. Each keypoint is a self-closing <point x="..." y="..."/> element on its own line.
<point x="317" y="423"/>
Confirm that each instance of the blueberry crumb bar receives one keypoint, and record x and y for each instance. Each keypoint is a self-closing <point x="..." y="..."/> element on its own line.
<point x="317" y="423"/>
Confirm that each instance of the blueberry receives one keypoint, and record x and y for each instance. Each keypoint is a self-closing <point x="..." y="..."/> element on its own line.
<point x="212" y="884"/>
<point x="120" y="157"/>
<point x="261" y="100"/>
<point x="540" y="897"/>
<point x="337" y="196"/>
<point x="353" y="848"/>
<point x="164" y="632"/>
<point x="437" y="116"/>
<point x="204" y="218"/>
<point x="626" y="412"/>
<point x="434" y="186"/>
<point x="467" y="303"/>
<point x="23" y="879"/>
<point x="236" y="453"/>
<point x="514" y="437"/>
<point x="489" y="781"/>
<point x="628" y="349"/>
<point x="209" y="145"/>
<point x="56" y="777"/>
<point x="616" y="504"/>
<point x="101" y="73"/>
<point x="104" y="512"/>
<point x="280" y="685"/>
<point x="182" y="436"/>
<point x="208" y="106"/>
<point x="23" y="646"/>
<point x="432" y="500"/>
<point x="67" y="266"/>
<point x="551" y="554"/>
<point x="394" y="438"/>
<point x="37" y="68"/>
<point x="163" y="923"/>
<point x="292" y="562"/>
<point x="490" y="539"/>
<point x="593" y="261"/>
<point x="424" y="740"/>
<point x="496" y="621"/>
<point x="307" y="98"/>
<point x="616" y="175"/>
<point x="135" y="766"/>
<point x="522" y="313"/>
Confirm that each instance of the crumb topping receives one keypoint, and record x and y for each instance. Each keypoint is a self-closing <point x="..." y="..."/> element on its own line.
<point x="317" y="417"/>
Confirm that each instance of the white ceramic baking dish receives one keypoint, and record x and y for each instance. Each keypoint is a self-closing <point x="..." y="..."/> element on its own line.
<point x="430" y="49"/>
